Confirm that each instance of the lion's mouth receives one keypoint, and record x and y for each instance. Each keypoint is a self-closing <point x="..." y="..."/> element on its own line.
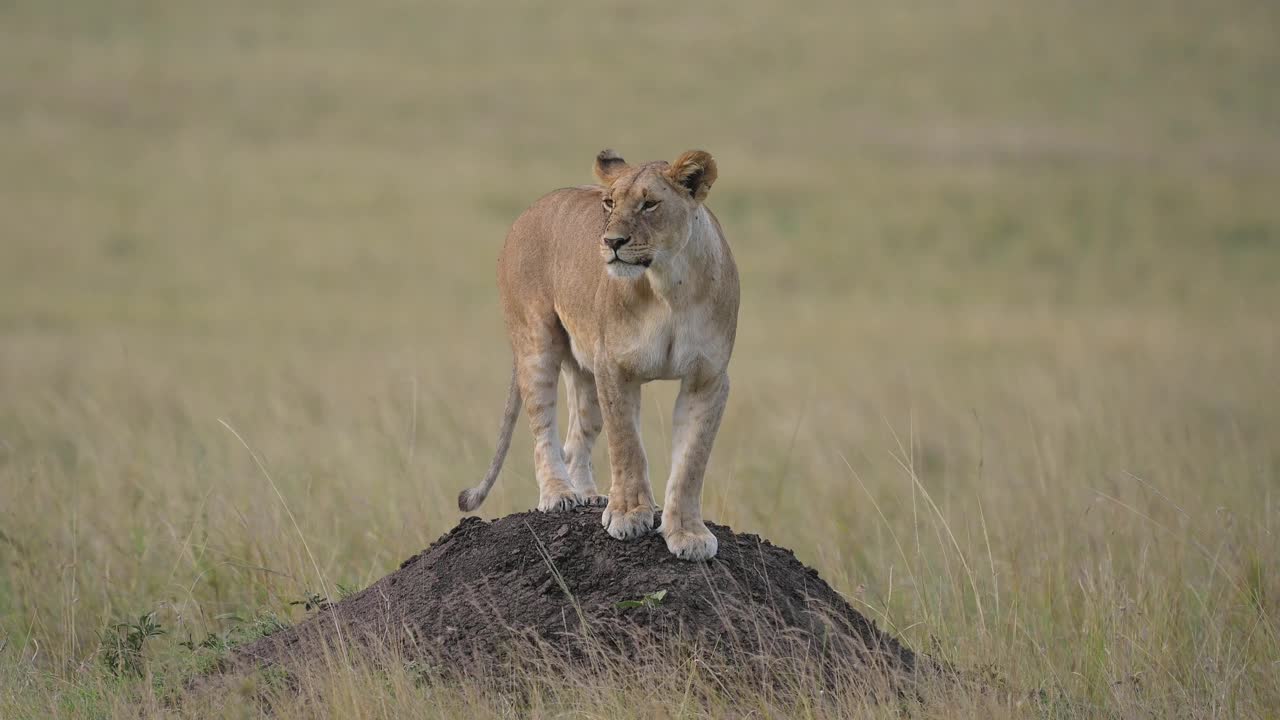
<point x="639" y="263"/>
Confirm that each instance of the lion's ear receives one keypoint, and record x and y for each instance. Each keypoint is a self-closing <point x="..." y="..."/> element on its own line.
<point x="609" y="166"/>
<point x="695" y="171"/>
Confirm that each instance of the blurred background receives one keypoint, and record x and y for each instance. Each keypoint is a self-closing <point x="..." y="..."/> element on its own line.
<point x="1007" y="360"/>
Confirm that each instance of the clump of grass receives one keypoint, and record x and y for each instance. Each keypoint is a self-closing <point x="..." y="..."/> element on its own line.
<point x="236" y="631"/>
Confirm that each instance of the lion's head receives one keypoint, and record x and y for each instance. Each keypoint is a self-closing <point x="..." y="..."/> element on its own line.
<point x="648" y="208"/>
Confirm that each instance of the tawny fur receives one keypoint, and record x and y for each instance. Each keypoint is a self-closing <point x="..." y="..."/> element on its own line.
<point x="615" y="285"/>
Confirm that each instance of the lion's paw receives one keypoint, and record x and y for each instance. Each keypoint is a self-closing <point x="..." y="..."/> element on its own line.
<point x="627" y="525"/>
<point x="559" y="501"/>
<point x="595" y="501"/>
<point x="693" y="545"/>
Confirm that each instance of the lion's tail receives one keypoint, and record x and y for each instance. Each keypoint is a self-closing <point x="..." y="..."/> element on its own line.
<point x="470" y="499"/>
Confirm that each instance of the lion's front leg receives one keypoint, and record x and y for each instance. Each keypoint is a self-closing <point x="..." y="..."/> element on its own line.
<point x="629" y="513"/>
<point x="696" y="421"/>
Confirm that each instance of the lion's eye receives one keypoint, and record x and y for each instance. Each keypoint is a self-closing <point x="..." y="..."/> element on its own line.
<point x="608" y="204"/>
<point x="649" y="205"/>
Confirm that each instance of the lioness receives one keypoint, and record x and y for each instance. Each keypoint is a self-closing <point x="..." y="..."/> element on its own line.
<point x="616" y="285"/>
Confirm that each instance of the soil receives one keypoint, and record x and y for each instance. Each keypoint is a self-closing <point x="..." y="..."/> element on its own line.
<point x="556" y="579"/>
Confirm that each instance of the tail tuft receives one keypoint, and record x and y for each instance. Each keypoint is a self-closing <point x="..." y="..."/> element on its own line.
<point x="470" y="499"/>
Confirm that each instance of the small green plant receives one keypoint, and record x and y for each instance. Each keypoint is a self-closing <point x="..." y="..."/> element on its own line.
<point x="652" y="600"/>
<point x="312" y="601"/>
<point x="217" y="642"/>
<point x="123" y="643"/>
<point x="260" y="625"/>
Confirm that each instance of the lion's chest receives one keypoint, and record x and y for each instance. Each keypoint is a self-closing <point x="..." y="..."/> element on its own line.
<point x="667" y="345"/>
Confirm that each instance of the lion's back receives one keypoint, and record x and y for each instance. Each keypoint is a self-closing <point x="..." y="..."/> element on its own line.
<point x="553" y="239"/>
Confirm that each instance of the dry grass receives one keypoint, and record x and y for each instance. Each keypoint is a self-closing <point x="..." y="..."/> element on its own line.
<point x="1006" y="371"/>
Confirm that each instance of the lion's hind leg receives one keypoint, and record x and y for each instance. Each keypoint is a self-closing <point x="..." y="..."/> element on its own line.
<point x="539" y="358"/>
<point x="585" y="423"/>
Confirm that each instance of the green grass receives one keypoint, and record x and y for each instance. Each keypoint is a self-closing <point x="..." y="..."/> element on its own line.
<point x="1006" y="371"/>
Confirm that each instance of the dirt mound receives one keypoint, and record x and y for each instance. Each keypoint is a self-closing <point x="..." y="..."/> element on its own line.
<point x="558" y="580"/>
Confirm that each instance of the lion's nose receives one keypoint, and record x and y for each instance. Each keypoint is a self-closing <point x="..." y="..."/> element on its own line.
<point x="616" y="241"/>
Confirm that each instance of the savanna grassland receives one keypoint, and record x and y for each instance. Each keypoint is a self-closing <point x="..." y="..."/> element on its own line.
<point x="1008" y="368"/>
